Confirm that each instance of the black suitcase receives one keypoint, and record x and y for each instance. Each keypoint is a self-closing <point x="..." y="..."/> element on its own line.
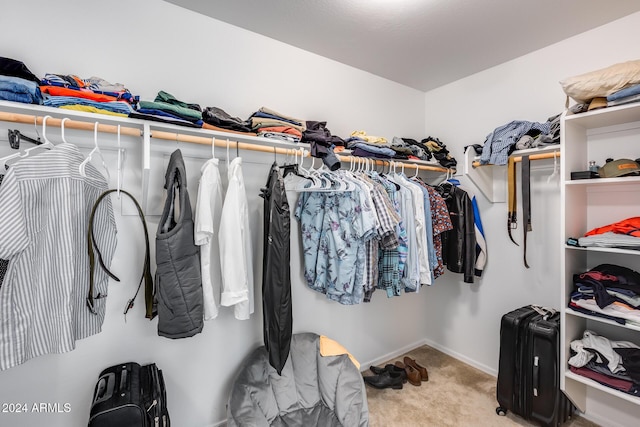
<point x="130" y="395"/>
<point x="529" y="367"/>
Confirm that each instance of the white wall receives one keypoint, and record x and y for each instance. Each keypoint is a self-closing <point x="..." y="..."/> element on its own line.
<point x="463" y="113"/>
<point x="150" y="45"/>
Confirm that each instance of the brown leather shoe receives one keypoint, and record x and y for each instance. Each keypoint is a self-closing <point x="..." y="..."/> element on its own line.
<point x="424" y="375"/>
<point x="413" y="376"/>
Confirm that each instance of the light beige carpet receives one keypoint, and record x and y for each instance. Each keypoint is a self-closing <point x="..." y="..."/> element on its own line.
<point x="456" y="395"/>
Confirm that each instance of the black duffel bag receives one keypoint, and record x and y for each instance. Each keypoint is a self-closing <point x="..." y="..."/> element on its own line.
<point x="130" y="395"/>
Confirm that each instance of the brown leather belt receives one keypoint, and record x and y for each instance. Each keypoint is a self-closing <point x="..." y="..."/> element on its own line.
<point x="512" y="216"/>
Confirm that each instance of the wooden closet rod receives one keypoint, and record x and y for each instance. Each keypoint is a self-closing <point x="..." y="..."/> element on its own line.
<point x="179" y="137"/>
<point x="539" y="156"/>
<point x="68" y="124"/>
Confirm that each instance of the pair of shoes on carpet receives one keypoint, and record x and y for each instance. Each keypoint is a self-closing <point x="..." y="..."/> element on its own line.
<point x="415" y="372"/>
<point x="393" y="376"/>
<point x="390" y="376"/>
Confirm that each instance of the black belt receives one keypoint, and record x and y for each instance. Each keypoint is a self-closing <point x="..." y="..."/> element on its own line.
<point x="149" y="294"/>
<point x="526" y="202"/>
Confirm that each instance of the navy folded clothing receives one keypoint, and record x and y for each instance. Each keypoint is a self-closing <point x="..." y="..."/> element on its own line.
<point x="165" y="119"/>
<point x="11" y="67"/>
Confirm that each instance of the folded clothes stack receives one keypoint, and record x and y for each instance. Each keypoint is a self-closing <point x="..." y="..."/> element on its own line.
<point x="217" y="119"/>
<point x="271" y="124"/>
<point x="94" y="95"/>
<point x="624" y="96"/>
<point x="615" y="364"/>
<point x="412" y="148"/>
<point x="363" y="145"/>
<point x="18" y="83"/>
<point x="609" y="291"/>
<point x="166" y="108"/>
<point x="623" y="234"/>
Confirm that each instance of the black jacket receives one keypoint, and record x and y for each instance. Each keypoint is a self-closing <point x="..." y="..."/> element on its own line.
<point x="459" y="244"/>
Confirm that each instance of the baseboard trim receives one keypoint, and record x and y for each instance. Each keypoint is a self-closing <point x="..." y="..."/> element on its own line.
<point x="599" y="420"/>
<point x="392" y="355"/>
<point x="484" y="368"/>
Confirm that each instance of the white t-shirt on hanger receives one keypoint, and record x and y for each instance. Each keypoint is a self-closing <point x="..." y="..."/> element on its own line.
<point x="208" y="215"/>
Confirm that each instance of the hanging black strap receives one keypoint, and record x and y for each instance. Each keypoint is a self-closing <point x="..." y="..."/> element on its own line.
<point x="526" y="202"/>
<point x="512" y="215"/>
<point x="149" y="291"/>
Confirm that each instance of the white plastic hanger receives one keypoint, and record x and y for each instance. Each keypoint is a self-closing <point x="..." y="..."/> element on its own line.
<point x="96" y="150"/>
<point x="213" y="147"/>
<point x="416" y="174"/>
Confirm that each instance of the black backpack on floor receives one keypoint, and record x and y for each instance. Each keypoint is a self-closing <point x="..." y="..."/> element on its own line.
<point x="130" y="395"/>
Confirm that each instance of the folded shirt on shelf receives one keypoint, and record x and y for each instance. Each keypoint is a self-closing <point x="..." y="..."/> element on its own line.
<point x="616" y="309"/>
<point x="377" y="140"/>
<point x="260" y="122"/>
<point x="624" y="93"/>
<point x="181" y="112"/>
<point x="94" y="85"/>
<point x="610" y="240"/>
<point x="279" y="136"/>
<point x="19" y="90"/>
<point x="77" y="92"/>
<point x="283" y="117"/>
<point x="219" y="118"/>
<point x="14" y="68"/>
<point x="90" y="109"/>
<point x="615" y="383"/>
<point x="114" y="106"/>
<point x="206" y="125"/>
<point x="166" y="119"/>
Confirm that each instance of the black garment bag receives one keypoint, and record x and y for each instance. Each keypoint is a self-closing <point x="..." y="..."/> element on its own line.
<point x="276" y="272"/>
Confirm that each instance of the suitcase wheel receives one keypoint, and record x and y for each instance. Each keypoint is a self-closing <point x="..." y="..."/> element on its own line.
<point x="501" y="411"/>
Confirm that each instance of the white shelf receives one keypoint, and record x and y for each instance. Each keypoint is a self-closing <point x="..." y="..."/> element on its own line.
<point x="606" y="250"/>
<point x="588" y="203"/>
<point x="596" y="182"/>
<point x="594" y="384"/>
<point x="571" y="312"/>
<point x="610" y="116"/>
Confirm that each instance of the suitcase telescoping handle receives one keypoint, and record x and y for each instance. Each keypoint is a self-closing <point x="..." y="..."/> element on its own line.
<point x="545" y="312"/>
<point x="536" y="375"/>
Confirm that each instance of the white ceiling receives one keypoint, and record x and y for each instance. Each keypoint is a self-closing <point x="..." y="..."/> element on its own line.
<point x="423" y="44"/>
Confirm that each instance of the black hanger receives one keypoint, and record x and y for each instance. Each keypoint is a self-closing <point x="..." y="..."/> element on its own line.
<point x="15" y="136"/>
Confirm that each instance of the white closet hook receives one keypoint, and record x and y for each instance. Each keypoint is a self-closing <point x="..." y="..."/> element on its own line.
<point x="119" y="183"/>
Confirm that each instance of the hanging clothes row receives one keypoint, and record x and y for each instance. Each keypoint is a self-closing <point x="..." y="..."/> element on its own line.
<point x="363" y="230"/>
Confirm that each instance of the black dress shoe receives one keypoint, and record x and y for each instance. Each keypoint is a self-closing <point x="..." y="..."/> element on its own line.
<point x="385" y="380"/>
<point x="390" y="368"/>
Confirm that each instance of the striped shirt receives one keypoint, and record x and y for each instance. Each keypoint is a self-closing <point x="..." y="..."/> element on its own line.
<point x="45" y="205"/>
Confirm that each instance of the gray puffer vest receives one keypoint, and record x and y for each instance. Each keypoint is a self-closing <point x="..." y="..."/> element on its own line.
<point x="178" y="279"/>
